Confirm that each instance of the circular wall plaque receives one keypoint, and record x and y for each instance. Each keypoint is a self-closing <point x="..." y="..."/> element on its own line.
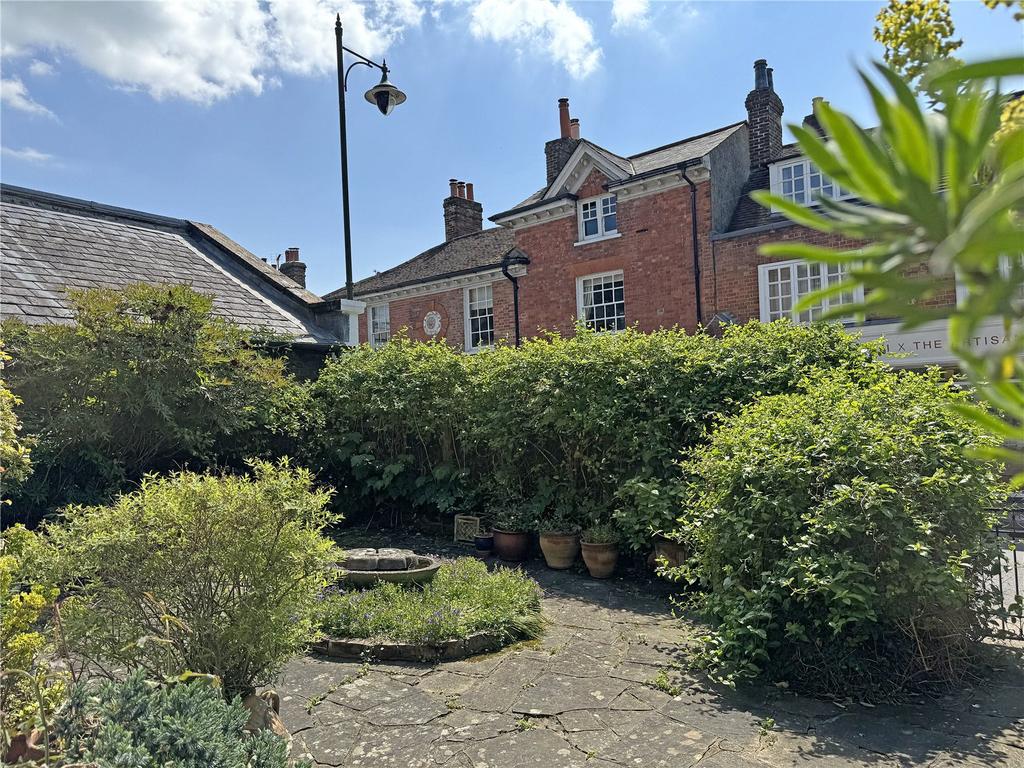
<point x="432" y="323"/>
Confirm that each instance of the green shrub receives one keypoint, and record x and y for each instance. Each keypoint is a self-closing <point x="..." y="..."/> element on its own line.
<point x="15" y="450"/>
<point x="387" y="424"/>
<point x="138" y="724"/>
<point x="146" y="380"/>
<point x="463" y="598"/>
<point x="214" y="574"/>
<point x="24" y="607"/>
<point x="843" y="536"/>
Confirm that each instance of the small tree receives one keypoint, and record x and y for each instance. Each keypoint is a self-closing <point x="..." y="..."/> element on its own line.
<point x="145" y="380"/>
<point x="215" y="574"/>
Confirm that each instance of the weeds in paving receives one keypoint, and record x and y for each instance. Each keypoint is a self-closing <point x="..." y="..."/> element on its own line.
<point x="525" y="724"/>
<point x="661" y="682"/>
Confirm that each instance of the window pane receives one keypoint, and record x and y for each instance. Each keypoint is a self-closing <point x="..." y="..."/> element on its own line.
<point x="603" y="306"/>
<point x="481" y="317"/>
<point x="590" y="227"/>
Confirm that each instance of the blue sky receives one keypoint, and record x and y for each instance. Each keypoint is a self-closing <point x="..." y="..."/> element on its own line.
<point x="226" y="112"/>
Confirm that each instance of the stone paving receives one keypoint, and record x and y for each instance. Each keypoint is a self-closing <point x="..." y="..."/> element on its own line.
<point x="603" y="689"/>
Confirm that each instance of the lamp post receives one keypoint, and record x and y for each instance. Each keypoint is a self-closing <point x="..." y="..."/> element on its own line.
<point x="386" y="97"/>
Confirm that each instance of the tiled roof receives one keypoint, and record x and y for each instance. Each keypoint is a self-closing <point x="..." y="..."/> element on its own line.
<point x="51" y="243"/>
<point x="650" y="160"/>
<point x="461" y="255"/>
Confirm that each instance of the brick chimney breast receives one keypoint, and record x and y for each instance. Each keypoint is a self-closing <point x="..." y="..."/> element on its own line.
<point x="558" y="151"/>
<point x="292" y="268"/>
<point x="811" y="122"/>
<point x="764" y="117"/>
<point x="462" y="214"/>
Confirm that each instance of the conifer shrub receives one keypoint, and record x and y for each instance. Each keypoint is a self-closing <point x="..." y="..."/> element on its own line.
<point x="843" y="535"/>
<point x="206" y="573"/>
<point x="135" y="723"/>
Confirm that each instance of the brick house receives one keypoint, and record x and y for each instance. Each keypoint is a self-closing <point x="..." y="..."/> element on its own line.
<point x="667" y="237"/>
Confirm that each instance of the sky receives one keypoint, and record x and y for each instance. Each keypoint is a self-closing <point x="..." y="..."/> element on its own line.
<point x="225" y="111"/>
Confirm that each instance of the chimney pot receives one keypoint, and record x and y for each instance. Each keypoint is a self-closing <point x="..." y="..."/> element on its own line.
<point x="454" y="185"/>
<point x="462" y="214"/>
<point x="469" y="191"/>
<point x="761" y="75"/>
<point x="293" y="268"/>
<point x="462" y="189"/>
<point x="563" y="118"/>
<point x="771" y="84"/>
<point x="291" y="254"/>
<point x="574" y="128"/>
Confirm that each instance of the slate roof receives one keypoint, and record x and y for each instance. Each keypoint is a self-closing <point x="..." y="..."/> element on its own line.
<point x="50" y="243"/>
<point x="461" y="255"/>
<point x="648" y="161"/>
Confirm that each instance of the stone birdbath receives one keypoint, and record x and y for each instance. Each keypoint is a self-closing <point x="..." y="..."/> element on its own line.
<point x="365" y="567"/>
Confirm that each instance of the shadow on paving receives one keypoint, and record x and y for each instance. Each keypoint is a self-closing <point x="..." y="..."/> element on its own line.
<point x="587" y="695"/>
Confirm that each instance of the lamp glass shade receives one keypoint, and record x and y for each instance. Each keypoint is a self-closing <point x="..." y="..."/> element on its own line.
<point x="385" y="96"/>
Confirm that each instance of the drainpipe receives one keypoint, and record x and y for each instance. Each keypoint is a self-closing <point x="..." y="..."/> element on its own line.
<point x="513" y="258"/>
<point x="695" y="242"/>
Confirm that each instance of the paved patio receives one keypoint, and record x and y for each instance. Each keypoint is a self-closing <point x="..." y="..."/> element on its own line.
<point x="584" y="696"/>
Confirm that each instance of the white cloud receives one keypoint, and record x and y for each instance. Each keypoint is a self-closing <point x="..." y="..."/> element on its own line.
<point x="27" y="154"/>
<point x="550" y="27"/>
<point x="202" y="50"/>
<point x="630" y="14"/>
<point x="14" y="94"/>
<point x="40" y="68"/>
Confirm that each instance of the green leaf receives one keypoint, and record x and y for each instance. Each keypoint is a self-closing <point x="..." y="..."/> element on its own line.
<point x="981" y="70"/>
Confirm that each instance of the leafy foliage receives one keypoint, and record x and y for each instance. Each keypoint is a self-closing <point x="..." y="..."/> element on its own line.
<point x="23" y="642"/>
<point x="944" y="193"/>
<point x="214" y="574"/>
<point x="147" y="379"/>
<point x="843" y="535"/>
<point x="134" y="723"/>
<point x="916" y="33"/>
<point x="552" y="430"/>
<point x="464" y="598"/>
<point x="15" y="450"/>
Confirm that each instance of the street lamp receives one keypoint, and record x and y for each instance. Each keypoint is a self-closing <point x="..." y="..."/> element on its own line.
<point x="386" y="97"/>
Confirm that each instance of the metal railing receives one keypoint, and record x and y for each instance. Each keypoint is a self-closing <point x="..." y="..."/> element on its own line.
<point x="1008" y="581"/>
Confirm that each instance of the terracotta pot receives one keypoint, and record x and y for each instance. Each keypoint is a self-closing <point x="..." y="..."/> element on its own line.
<point x="600" y="559"/>
<point x="513" y="546"/>
<point x="560" y="549"/>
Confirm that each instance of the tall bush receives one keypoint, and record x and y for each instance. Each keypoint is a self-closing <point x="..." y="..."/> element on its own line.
<point x="145" y="380"/>
<point x="387" y="425"/>
<point x="843" y="535"/>
<point x="215" y="574"/>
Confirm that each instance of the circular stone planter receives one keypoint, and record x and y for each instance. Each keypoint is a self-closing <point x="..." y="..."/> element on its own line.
<point x="560" y="549"/>
<point x="449" y="650"/>
<point x="399" y="566"/>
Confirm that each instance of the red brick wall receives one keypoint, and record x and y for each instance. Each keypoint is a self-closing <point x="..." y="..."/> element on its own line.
<point x="409" y="313"/>
<point x="734" y="271"/>
<point x="654" y="252"/>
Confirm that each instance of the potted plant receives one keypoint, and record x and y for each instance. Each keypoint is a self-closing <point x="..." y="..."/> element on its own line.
<point x="483" y="543"/>
<point x="512" y="534"/>
<point x="601" y="549"/>
<point x="559" y="539"/>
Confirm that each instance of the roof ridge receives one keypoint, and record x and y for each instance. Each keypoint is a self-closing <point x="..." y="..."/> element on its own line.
<point x="686" y="140"/>
<point x="89" y="206"/>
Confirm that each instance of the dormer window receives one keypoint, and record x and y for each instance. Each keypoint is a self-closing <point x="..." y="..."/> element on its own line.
<point x="801" y="181"/>
<point x="597" y="218"/>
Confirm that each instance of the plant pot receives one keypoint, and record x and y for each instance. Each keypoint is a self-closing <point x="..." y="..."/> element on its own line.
<point x="483" y="543"/>
<point x="672" y="551"/>
<point x="560" y="549"/>
<point x="600" y="559"/>
<point x="512" y="546"/>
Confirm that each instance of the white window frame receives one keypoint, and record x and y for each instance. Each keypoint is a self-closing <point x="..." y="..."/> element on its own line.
<point x="371" y="331"/>
<point x="600" y="203"/>
<point x="763" y="288"/>
<point x="775" y="178"/>
<point x="467" y="325"/>
<point x="1005" y="264"/>
<point x="580" y="309"/>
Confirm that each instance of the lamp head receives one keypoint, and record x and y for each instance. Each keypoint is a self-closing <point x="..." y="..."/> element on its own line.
<point x="384" y="95"/>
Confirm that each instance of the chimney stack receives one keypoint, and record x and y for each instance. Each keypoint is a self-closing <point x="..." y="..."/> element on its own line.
<point x="811" y="121"/>
<point x="293" y="268"/>
<point x="558" y="151"/>
<point x="462" y="214"/>
<point x="764" y="117"/>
